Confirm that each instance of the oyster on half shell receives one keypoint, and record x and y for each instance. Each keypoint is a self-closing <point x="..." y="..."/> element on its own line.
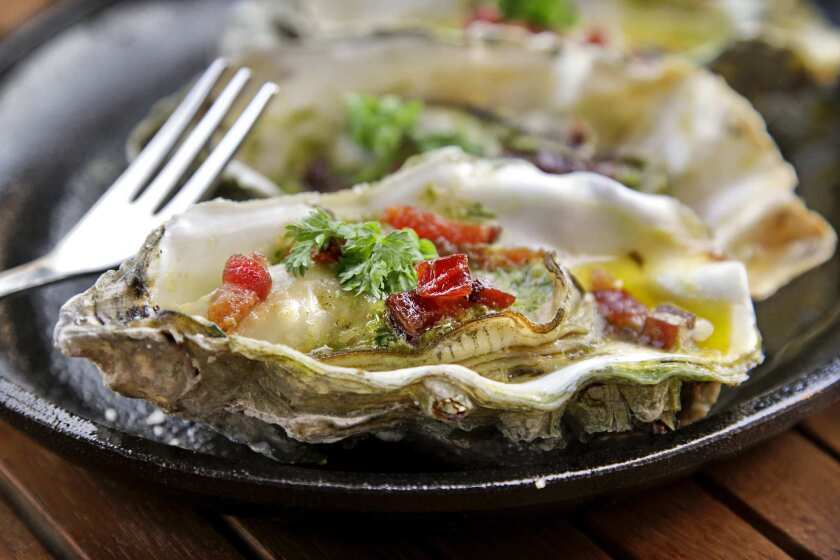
<point x="530" y="377"/>
<point x="685" y="131"/>
<point x="701" y="29"/>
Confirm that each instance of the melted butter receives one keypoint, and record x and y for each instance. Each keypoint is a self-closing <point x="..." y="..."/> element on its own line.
<point x="636" y="279"/>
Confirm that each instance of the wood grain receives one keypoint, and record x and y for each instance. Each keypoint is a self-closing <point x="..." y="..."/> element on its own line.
<point x="15" y="12"/>
<point x="678" y="521"/>
<point x="791" y="487"/>
<point x="16" y="542"/>
<point x="825" y="428"/>
<point x="412" y="538"/>
<point x="87" y="516"/>
<point x="537" y="536"/>
<point x="332" y="537"/>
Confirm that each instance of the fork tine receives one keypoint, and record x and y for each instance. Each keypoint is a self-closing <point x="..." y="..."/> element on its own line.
<point x="221" y="155"/>
<point x="186" y="154"/>
<point x="147" y="162"/>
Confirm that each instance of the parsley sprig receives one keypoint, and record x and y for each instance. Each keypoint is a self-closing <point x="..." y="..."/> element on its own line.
<point x="546" y="14"/>
<point x="386" y="127"/>
<point x="372" y="262"/>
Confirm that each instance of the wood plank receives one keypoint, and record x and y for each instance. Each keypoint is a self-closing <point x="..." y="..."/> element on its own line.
<point x="825" y="428"/>
<point x="87" y="516"/>
<point x="15" y="12"/>
<point x="450" y="536"/>
<point x="16" y="542"/>
<point x="792" y="488"/>
<point x="677" y="521"/>
<point x="330" y="537"/>
<point x="535" y="536"/>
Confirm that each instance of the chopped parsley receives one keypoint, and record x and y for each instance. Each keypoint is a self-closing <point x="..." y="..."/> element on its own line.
<point x="545" y="14"/>
<point x="386" y="128"/>
<point x="372" y="262"/>
<point x="380" y="125"/>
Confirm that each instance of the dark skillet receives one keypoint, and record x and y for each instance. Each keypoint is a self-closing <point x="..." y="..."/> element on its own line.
<point x="74" y="84"/>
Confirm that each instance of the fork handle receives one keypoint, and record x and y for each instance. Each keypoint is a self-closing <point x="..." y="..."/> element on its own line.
<point x="35" y="273"/>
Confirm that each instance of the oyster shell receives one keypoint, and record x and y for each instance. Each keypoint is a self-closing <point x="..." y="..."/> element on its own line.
<point x="708" y="144"/>
<point x="531" y="381"/>
<point x="702" y="30"/>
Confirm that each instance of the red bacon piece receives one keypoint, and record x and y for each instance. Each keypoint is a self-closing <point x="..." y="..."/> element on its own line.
<point x="249" y="272"/>
<point x="659" y="333"/>
<point x="246" y="282"/>
<point x="444" y="279"/>
<point x="491" y="297"/>
<point x="488" y="14"/>
<point x="409" y="313"/>
<point x="620" y="309"/>
<point x="328" y="255"/>
<point x="230" y="304"/>
<point x="445" y="288"/>
<point x="439" y="230"/>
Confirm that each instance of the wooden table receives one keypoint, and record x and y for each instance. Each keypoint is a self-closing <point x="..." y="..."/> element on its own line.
<point x="780" y="500"/>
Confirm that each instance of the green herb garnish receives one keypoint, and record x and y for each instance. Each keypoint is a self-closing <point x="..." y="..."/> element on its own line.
<point x="381" y="125"/>
<point x="545" y="14"/>
<point x="386" y="128"/>
<point x="372" y="262"/>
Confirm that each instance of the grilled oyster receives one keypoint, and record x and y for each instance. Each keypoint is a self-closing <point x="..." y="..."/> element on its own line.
<point x="700" y="29"/>
<point x="561" y="360"/>
<point x="659" y="124"/>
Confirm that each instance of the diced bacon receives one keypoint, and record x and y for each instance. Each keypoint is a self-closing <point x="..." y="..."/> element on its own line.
<point x="446" y="278"/>
<point x="249" y="272"/>
<point x="230" y="304"/>
<point x="660" y="333"/>
<point x="245" y="283"/>
<point x="445" y="288"/>
<point x="328" y="255"/>
<point x="437" y="229"/>
<point x="596" y="36"/>
<point x="491" y="297"/>
<point x="659" y="328"/>
<point x="620" y="309"/>
<point x="485" y="13"/>
<point x="408" y="313"/>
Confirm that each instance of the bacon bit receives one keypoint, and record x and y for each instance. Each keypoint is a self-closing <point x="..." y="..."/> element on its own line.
<point x="409" y="315"/>
<point x="329" y="255"/>
<point x="491" y="297"/>
<point x="487" y="14"/>
<point x="246" y="282"/>
<point x="659" y="328"/>
<point x="440" y="231"/>
<point x="660" y="333"/>
<point x="230" y="304"/>
<point x="445" y="288"/>
<point x="444" y="279"/>
<point x="620" y="309"/>
<point x="596" y="36"/>
<point x="249" y="272"/>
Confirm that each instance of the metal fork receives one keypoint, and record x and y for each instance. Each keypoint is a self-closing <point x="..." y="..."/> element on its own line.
<point x="116" y="226"/>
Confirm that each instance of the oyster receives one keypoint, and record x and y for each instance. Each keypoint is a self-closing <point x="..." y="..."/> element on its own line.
<point x="699" y="29"/>
<point x="532" y="376"/>
<point x="658" y="124"/>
